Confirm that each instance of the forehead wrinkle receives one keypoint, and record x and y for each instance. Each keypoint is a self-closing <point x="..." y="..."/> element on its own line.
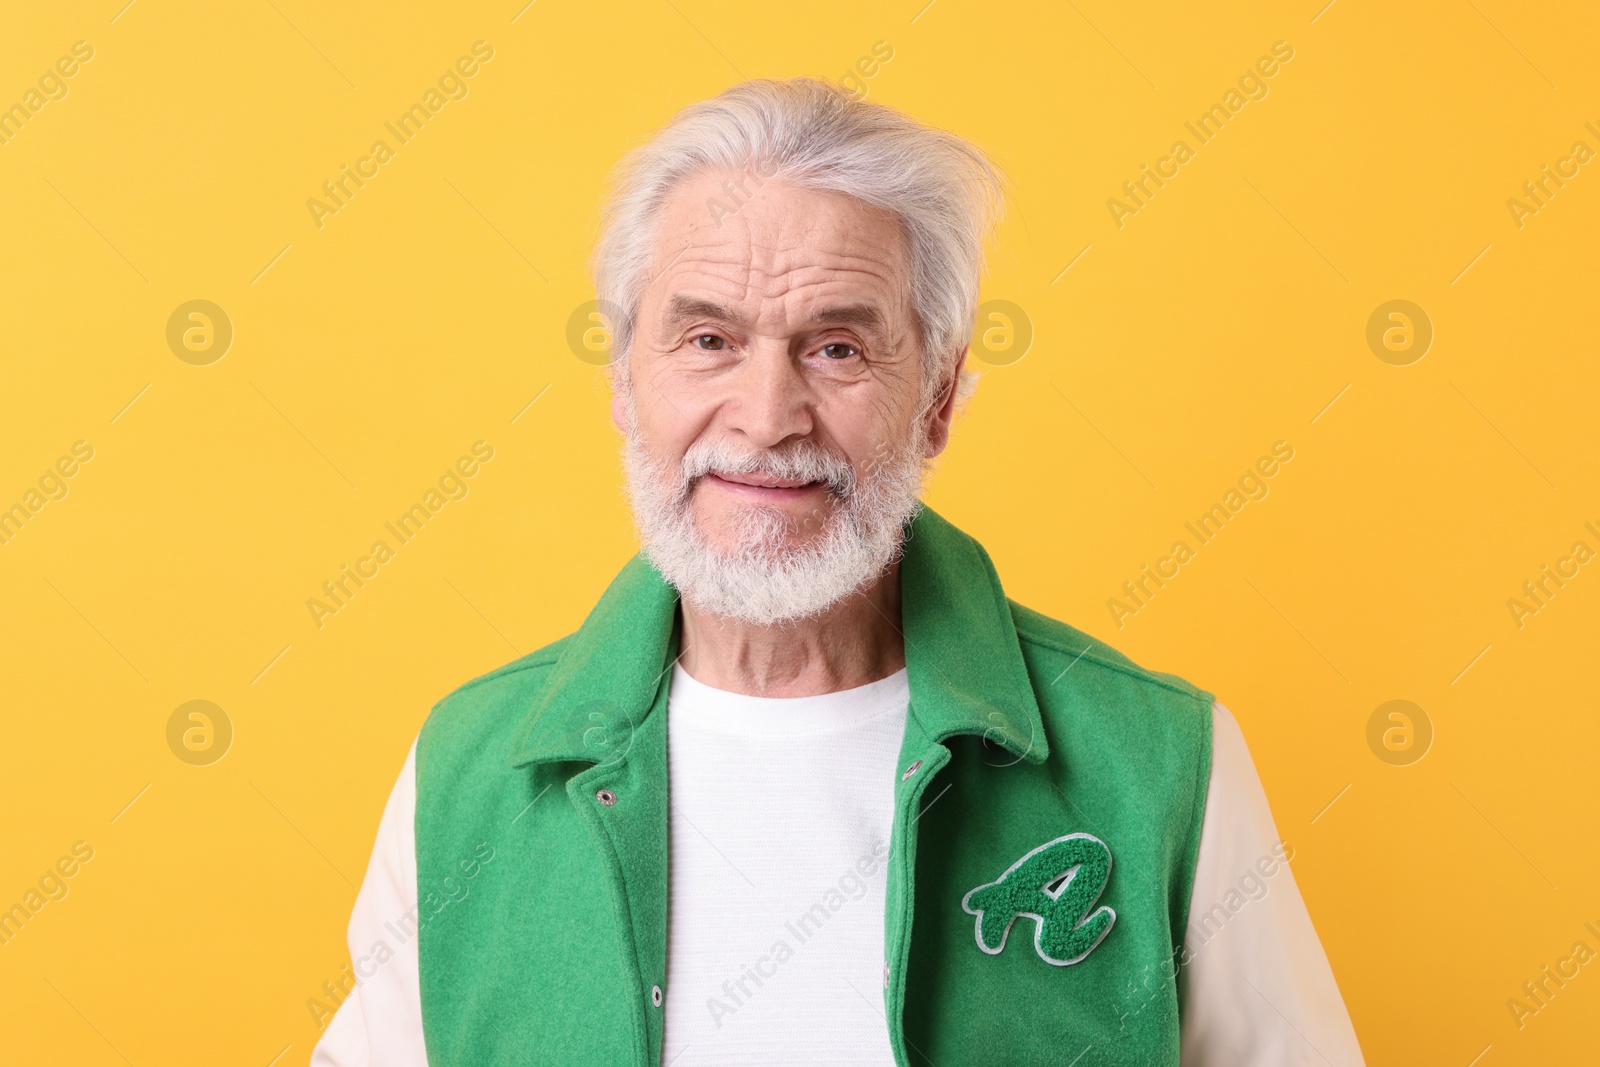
<point x="848" y="253"/>
<point x="773" y="270"/>
<point x="780" y="252"/>
<point x="811" y="296"/>
<point x="780" y="217"/>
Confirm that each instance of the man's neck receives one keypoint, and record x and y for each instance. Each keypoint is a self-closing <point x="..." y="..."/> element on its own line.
<point x="855" y="642"/>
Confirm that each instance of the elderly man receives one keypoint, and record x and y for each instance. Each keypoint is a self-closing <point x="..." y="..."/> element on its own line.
<point x="806" y="787"/>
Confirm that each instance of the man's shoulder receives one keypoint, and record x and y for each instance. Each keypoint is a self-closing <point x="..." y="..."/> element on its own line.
<point x="494" y="702"/>
<point x="1145" y="735"/>
<point x="1064" y="658"/>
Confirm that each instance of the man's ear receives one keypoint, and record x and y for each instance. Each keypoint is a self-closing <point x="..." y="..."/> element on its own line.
<point x="944" y="409"/>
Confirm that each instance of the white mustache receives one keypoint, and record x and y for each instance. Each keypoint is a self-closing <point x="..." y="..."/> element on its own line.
<point x="762" y="577"/>
<point x="803" y="461"/>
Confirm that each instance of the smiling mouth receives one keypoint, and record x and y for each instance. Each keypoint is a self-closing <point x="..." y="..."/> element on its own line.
<point x="754" y="483"/>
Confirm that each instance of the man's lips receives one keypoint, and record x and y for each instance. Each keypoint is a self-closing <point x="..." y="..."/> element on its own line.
<point x="763" y="481"/>
<point x="761" y="485"/>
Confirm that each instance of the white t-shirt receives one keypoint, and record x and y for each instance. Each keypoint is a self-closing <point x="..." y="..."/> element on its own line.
<point x="778" y="806"/>
<point x="781" y="805"/>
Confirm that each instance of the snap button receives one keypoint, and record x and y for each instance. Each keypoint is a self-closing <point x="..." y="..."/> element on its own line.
<point x="655" y="995"/>
<point x="915" y="764"/>
<point x="606" y="797"/>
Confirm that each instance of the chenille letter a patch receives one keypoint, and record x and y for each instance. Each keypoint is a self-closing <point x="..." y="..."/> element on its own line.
<point x="1057" y="886"/>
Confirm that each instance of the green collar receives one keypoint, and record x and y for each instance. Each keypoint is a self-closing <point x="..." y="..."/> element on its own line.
<point x="963" y="662"/>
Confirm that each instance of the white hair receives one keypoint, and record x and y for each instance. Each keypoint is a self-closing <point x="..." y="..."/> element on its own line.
<point x="813" y="134"/>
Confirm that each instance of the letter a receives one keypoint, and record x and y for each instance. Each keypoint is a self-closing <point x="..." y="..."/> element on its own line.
<point x="319" y="210"/>
<point x="318" y="610"/>
<point x="1118" y="610"/>
<point x="1118" y="210"/>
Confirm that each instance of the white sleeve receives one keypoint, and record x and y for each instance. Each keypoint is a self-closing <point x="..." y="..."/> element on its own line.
<point x="379" y="1024"/>
<point x="1256" y="987"/>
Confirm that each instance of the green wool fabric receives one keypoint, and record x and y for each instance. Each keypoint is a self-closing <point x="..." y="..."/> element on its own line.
<point x="1058" y="789"/>
<point x="1056" y="885"/>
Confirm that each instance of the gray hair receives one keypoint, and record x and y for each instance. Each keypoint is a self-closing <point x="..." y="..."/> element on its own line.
<point x="816" y="135"/>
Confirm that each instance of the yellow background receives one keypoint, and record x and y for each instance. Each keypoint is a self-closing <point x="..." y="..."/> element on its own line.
<point x="369" y="354"/>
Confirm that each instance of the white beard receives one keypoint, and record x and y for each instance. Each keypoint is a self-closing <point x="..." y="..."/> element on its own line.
<point x="762" y="579"/>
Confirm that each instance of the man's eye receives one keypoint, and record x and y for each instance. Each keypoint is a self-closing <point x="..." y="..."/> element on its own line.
<point x="709" y="342"/>
<point x="839" y="350"/>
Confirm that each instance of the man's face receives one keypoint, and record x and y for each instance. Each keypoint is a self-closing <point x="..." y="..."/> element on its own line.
<point x="776" y="373"/>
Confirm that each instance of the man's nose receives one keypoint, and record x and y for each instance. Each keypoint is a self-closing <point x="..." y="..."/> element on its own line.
<point x="771" y="399"/>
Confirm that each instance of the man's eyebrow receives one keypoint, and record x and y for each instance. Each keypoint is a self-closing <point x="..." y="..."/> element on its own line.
<point x="867" y="316"/>
<point x="685" y="309"/>
<point x="682" y="309"/>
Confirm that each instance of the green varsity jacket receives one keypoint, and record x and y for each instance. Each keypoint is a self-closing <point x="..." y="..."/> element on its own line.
<point x="1077" y="783"/>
